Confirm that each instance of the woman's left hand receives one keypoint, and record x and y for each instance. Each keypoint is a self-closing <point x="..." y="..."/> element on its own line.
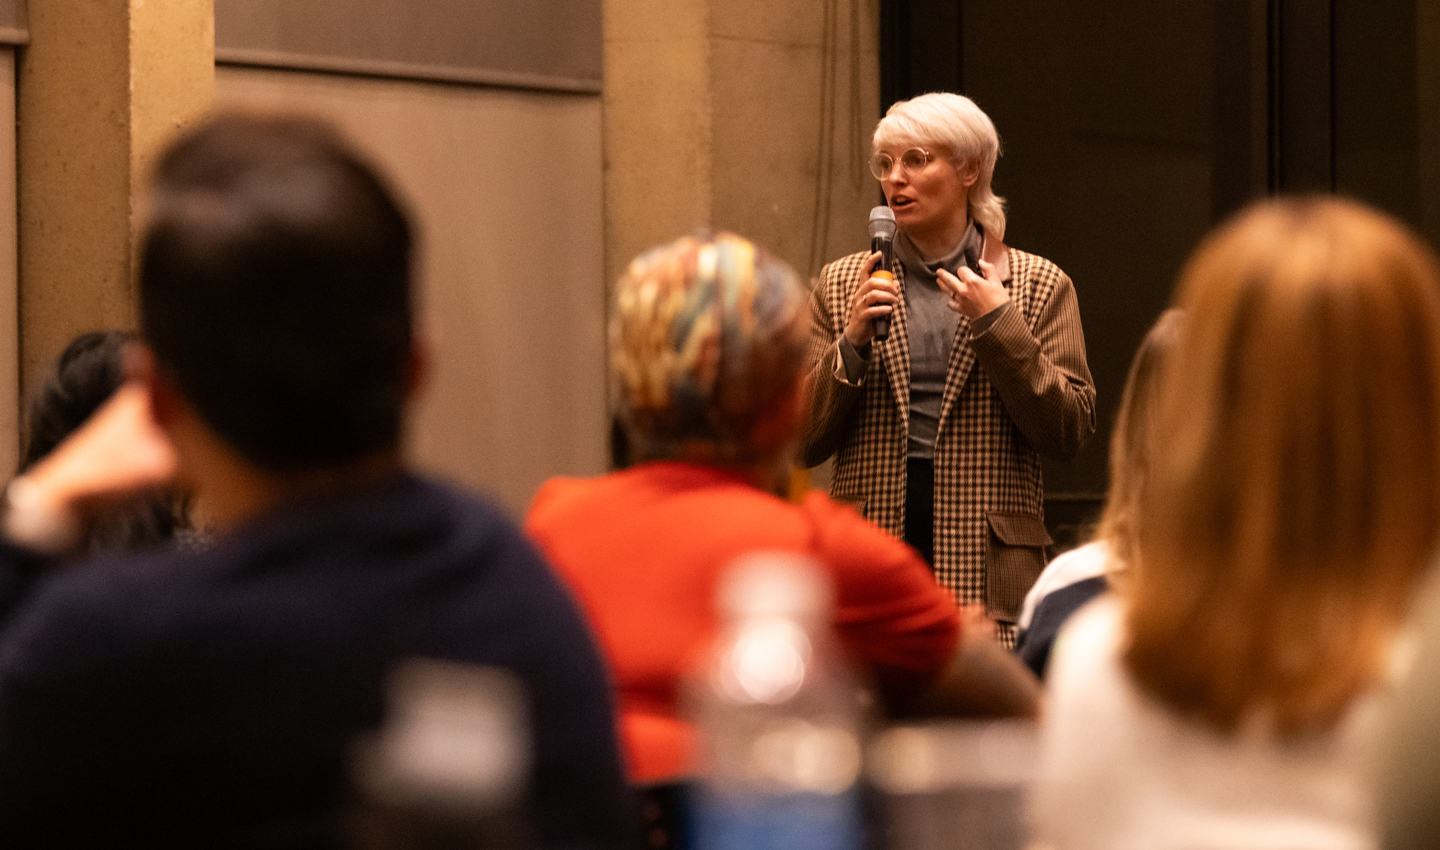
<point x="972" y="295"/>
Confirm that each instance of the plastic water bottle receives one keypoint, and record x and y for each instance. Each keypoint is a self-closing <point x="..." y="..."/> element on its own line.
<point x="450" y="767"/>
<point x="779" y="717"/>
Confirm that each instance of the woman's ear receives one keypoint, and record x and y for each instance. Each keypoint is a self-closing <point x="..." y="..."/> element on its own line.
<point x="140" y="368"/>
<point x="969" y="173"/>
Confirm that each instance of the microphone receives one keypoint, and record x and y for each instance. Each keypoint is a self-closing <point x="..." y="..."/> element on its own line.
<point x="882" y="239"/>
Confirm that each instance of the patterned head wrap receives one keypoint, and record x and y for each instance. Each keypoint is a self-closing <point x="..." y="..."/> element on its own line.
<point x="704" y="339"/>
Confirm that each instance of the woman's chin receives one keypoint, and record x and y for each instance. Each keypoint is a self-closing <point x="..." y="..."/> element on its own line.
<point x="905" y="219"/>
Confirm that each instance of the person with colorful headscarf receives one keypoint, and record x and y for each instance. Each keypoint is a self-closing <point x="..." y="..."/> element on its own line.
<point x="707" y="351"/>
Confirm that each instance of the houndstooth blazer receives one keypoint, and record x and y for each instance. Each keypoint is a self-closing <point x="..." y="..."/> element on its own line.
<point x="1031" y="394"/>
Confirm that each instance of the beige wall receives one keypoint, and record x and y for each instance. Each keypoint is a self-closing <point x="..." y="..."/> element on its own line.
<point x="796" y="99"/>
<point x="506" y="188"/>
<point x="101" y="88"/>
<point x="9" y="275"/>
<point x="748" y="115"/>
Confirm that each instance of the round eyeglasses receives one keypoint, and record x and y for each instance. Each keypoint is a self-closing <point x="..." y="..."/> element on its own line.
<point x="911" y="161"/>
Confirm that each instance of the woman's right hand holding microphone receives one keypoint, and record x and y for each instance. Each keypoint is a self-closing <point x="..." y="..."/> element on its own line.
<point x="876" y="297"/>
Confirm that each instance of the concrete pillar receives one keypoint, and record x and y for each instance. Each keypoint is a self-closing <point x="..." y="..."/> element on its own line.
<point x="103" y="85"/>
<point x="9" y="286"/>
<point x="747" y="115"/>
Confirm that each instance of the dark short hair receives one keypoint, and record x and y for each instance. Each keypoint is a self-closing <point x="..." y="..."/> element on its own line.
<point x="275" y="290"/>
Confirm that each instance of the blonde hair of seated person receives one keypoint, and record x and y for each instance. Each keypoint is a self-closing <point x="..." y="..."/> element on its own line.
<point x="1134" y="441"/>
<point x="1297" y="497"/>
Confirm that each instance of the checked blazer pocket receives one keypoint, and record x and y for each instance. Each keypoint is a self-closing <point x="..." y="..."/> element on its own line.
<point x="1014" y="557"/>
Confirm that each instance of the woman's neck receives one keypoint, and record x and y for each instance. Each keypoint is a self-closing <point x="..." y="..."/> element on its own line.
<point x="767" y="470"/>
<point x="234" y="493"/>
<point x="939" y="241"/>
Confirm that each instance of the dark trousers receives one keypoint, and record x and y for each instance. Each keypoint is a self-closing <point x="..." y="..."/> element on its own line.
<point x="920" y="507"/>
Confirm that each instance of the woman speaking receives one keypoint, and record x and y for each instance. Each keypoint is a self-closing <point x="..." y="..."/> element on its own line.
<point x="937" y="430"/>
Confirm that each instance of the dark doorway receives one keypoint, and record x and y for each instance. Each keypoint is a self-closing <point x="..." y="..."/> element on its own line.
<point x="1130" y="128"/>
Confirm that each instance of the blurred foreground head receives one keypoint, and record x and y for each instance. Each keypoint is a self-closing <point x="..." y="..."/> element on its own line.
<point x="707" y="346"/>
<point x="1297" y="498"/>
<point x="1136" y="439"/>
<point x="275" y="290"/>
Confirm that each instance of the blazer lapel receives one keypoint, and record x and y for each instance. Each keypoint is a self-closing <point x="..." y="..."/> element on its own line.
<point x="895" y="353"/>
<point x="962" y="356"/>
<point x="962" y="360"/>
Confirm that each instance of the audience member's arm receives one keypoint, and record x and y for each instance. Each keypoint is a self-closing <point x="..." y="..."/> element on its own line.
<point x="117" y="454"/>
<point x="983" y="679"/>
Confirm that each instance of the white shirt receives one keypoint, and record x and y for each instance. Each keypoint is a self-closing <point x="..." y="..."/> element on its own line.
<point x="1088" y="561"/>
<point x="1119" y="771"/>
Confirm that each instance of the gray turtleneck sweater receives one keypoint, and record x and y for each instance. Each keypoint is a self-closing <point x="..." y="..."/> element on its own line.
<point x="932" y="325"/>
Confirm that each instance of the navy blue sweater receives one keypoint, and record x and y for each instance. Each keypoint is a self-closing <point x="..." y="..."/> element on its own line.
<point x="211" y="698"/>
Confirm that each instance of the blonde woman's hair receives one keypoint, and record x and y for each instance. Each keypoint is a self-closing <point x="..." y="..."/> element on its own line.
<point x="1297" y="499"/>
<point x="966" y="133"/>
<point x="1134" y="440"/>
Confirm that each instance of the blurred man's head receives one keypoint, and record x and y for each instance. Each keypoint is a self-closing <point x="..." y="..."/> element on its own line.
<point x="275" y="291"/>
<point x="707" y="344"/>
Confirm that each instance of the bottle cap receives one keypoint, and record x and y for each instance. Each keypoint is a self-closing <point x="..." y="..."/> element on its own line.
<point x="777" y="584"/>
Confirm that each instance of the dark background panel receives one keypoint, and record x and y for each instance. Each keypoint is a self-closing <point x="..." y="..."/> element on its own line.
<point x="918" y="40"/>
<point x="1302" y="35"/>
<point x="1132" y="127"/>
<point x="1376" y="103"/>
<point x="1107" y="170"/>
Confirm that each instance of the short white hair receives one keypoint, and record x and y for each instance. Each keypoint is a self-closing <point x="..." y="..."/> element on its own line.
<point x="954" y="122"/>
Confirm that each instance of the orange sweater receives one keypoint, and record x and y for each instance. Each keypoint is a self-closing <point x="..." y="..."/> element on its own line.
<point x="643" y="550"/>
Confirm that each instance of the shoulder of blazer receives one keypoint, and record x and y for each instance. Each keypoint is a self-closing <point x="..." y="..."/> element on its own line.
<point x="1033" y="269"/>
<point x="1034" y="281"/>
<point x="845" y="270"/>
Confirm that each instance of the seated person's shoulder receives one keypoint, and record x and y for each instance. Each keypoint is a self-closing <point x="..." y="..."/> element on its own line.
<point x="1089" y="640"/>
<point x="839" y="528"/>
<point x="100" y="618"/>
<point x="870" y="567"/>
<point x="459" y="518"/>
<point x="1076" y="565"/>
<point x="1035" y="270"/>
<point x="121" y="581"/>
<point x="568" y="507"/>
<point x="478" y="532"/>
<point x="558" y="498"/>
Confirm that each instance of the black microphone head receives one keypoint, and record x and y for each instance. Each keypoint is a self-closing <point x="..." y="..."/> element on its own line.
<point x="882" y="223"/>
